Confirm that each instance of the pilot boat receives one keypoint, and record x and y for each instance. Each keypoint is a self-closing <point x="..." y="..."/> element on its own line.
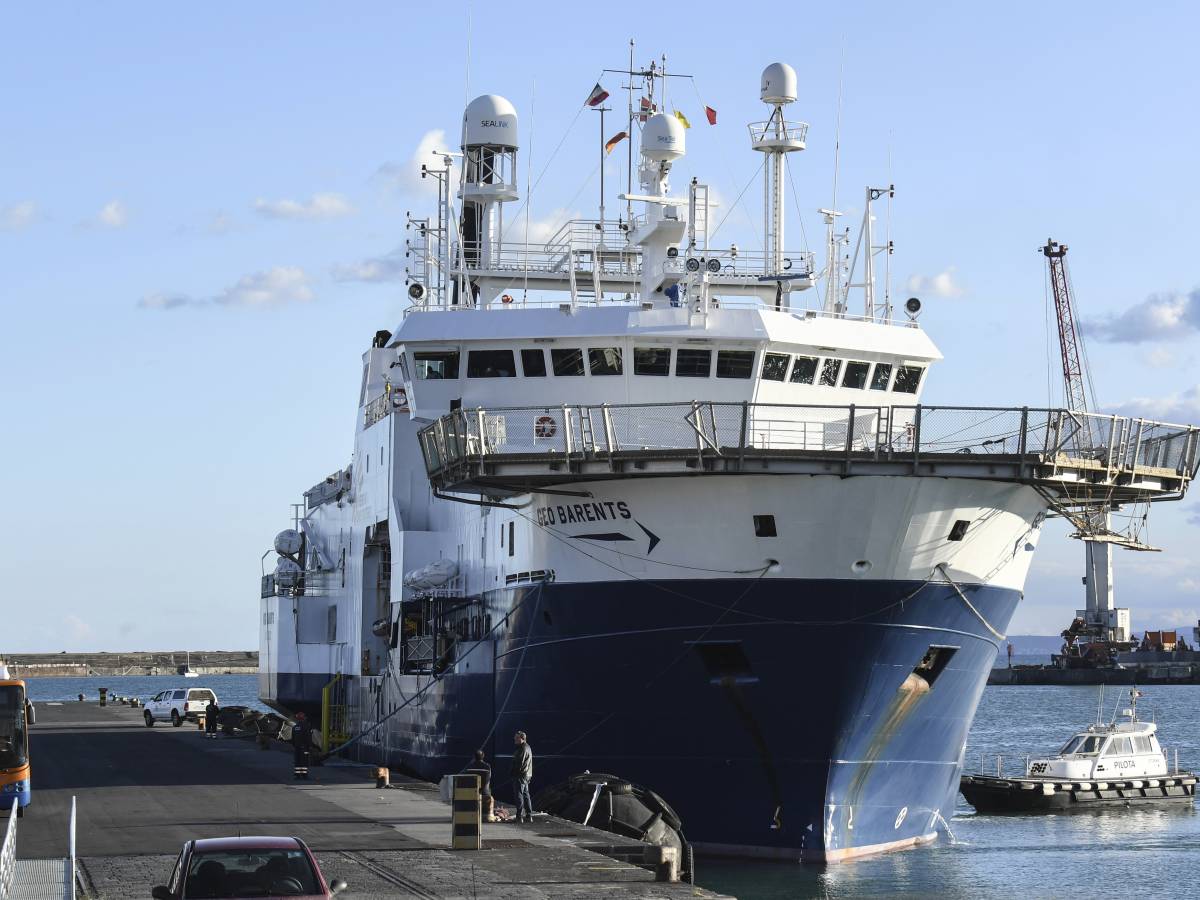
<point x="1114" y="764"/>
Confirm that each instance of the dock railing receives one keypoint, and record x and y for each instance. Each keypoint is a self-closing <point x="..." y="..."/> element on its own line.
<point x="8" y="855"/>
<point x="1110" y="449"/>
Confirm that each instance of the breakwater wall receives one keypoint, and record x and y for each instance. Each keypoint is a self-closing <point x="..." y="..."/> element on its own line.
<point x="166" y="662"/>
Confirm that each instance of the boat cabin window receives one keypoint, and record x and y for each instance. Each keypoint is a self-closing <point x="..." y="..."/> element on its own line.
<point x="533" y="363"/>
<point x="804" y="370"/>
<point x="735" y="363"/>
<point x="491" y="364"/>
<point x="651" y="360"/>
<point x="1118" y="746"/>
<point x="1142" y="745"/>
<point x="883" y="374"/>
<point x="436" y="364"/>
<point x="829" y="372"/>
<point x="567" y="361"/>
<point x="605" y="360"/>
<point x="774" y="367"/>
<point x="856" y="375"/>
<point x="908" y="379"/>
<point x="1083" y="745"/>
<point x="691" y="363"/>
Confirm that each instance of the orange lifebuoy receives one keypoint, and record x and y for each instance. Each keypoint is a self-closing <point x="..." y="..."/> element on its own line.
<point x="506" y="298"/>
<point x="545" y="427"/>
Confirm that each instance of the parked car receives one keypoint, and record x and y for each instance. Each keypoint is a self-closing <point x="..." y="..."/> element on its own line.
<point x="219" y="868"/>
<point x="178" y="705"/>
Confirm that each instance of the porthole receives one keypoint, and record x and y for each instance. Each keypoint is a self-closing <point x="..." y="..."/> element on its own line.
<point x="861" y="567"/>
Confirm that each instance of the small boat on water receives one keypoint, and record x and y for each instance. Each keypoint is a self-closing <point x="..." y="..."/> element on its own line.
<point x="1115" y="764"/>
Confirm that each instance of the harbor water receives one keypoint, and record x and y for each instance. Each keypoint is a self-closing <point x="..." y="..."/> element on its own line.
<point x="1100" y="854"/>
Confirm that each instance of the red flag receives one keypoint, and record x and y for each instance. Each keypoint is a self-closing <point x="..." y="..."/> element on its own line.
<point x="712" y="115"/>
<point x="597" y="96"/>
<point x="614" y="140"/>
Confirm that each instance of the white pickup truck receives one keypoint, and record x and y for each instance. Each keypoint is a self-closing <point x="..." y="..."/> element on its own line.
<point x="178" y="705"/>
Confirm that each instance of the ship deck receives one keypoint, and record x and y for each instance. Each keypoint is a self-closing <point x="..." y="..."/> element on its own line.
<point x="142" y="792"/>
<point x="1078" y="460"/>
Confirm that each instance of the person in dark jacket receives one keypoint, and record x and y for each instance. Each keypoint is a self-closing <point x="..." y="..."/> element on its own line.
<point x="301" y="746"/>
<point x="212" y="712"/>
<point x="480" y="766"/>
<point x="522" y="773"/>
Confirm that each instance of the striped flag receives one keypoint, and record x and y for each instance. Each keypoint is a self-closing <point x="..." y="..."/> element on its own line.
<point x="597" y="96"/>
<point x="683" y="119"/>
<point x="614" y="140"/>
<point x="712" y="115"/>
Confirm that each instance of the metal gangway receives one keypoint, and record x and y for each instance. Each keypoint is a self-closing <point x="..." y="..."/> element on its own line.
<point x="36" y="879"/>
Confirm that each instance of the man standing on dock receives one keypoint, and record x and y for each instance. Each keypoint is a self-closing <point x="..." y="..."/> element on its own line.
<point x="211" y="713"/>
<point x="522" y="774"/>
<point x="301" y="746"/>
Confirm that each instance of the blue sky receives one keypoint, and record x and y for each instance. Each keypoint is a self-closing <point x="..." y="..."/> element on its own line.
<point x="187" y="196"/>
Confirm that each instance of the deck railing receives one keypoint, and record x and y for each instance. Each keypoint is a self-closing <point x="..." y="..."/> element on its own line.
<point x="1114" y="444"/>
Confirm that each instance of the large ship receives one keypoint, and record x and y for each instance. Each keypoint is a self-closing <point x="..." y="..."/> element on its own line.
<point x="626" y="491"/>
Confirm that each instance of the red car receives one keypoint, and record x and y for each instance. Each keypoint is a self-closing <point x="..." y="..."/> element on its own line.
<point x="220" y="868"/>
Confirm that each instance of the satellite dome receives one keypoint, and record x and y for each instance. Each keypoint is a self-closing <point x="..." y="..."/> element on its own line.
<point x="778" y="84"/>
<point x="663" y="138"/>
<point x="490" y="121"/>
<point x="287" y="573"/>
<point x="287" y="542"/>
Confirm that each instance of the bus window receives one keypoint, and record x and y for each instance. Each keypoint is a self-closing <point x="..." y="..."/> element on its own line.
<point x="14" y="746"/>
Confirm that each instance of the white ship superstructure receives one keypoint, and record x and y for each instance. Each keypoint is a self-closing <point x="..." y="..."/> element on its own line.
<point x="625" y="491"/>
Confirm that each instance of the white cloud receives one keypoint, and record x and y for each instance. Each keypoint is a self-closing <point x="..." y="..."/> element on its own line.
<point x="1160" y="317"/>
<point x="1160" y="358"/>
<point x="220" y="223"/>
<point x="77" y="629"/>
<point x="943" y="284"/>
<point x="374" y="269"/>
<point x="112" y="215"/>
<point x="540" y="228"/>
<point x="274" y="287"/>
<point x="17" y="216"/>
<point x="319" y="206"/>
<point x="1182" y="407"/>
<point x="406" y="177"/>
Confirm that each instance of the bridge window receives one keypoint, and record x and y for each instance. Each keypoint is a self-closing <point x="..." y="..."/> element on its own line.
<point x="908" y="379"/>
<point x="533" y="363"/>
<point x="774" y="366"/>
<point x="735" y="363"/>
<point x="651" y="361"/>
<point x="436" y="364"/>
<point x="883" y="374"/>
<point x="829" y="372"/>
<point x="567" y="361"/>
<point x="691" y="363"/>
<point x="491" y="364"/>
<point x="1118" y="746"/>
<point x="804" y="370"/>
<point x="605" y="360"/>
<point x="856" y="375"/>
<point x="1142" y="744"/>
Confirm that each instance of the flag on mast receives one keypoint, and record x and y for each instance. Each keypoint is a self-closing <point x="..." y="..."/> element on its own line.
<point x="712" y="115"/>
<point x="614" y="140"/>
<point x="597" y="96"/>
<point x="683" y="119"/>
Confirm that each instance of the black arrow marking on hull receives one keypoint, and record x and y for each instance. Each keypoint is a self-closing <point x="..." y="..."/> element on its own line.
<point x="604" y="536"/>
<point x="654" y="538"/>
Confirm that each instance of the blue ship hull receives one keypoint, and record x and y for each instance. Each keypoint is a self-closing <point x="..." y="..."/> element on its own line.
<point x="779" y="717"/>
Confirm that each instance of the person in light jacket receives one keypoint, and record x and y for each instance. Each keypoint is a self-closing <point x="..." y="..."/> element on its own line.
<point x="522" y="773"/>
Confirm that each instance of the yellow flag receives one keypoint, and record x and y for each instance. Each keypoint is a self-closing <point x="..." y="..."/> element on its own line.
<point x="682" y="118"/>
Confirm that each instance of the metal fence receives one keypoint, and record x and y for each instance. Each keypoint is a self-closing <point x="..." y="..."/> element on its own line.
<point x="1114" y="443"/>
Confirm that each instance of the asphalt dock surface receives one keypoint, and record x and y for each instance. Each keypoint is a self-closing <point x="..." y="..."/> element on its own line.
<point x="142" y="792"/>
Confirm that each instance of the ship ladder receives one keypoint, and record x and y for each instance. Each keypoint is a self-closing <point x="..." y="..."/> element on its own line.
<point x="334" y="718"/>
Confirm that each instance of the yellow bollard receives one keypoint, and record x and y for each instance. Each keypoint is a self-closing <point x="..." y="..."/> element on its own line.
<point x="200" y="722"/>
<point x="383" y="777"/>
<point x="466" y="829"/>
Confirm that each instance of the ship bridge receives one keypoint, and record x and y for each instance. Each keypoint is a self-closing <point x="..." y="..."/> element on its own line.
<point x="1076" y="461"/>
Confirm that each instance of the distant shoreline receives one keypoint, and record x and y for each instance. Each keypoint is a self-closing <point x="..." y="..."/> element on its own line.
<point x="166" y="662"/>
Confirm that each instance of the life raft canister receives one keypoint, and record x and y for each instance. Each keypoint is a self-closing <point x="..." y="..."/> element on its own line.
<point x="545" y="427"/>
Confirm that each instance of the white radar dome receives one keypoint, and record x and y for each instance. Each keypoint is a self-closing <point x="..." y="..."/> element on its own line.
<point x="778" y="84"/>
<point x="662" y="138"/>
<point x="490" y="121"/>
<point x="287" y="542"/>
<point x="287" y="573"/>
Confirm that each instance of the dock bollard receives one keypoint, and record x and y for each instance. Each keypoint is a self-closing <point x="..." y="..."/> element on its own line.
<point x="104" y="696"/>
<point x="200" y="722"/>
<point x="383" y="777"/>
<point x="466" y="828"/>
<point x="665" y="861"/>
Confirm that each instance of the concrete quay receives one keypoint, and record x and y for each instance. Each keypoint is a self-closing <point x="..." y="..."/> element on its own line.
<point x="167" y="662"/>
<point x="142" y="792"/>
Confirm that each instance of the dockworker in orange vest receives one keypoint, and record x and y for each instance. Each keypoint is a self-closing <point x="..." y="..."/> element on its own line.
<point x="301" y="745"/>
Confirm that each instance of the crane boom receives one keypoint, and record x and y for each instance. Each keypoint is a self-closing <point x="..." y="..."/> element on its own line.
<point x="1068" y="335"/>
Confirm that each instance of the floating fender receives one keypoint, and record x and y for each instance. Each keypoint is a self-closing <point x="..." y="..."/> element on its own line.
<point x="620" y="807"/>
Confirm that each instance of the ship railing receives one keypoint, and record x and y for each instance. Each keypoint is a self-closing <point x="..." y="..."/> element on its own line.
<point x="1000" y="765"/>
<point x="1115" y="446"/>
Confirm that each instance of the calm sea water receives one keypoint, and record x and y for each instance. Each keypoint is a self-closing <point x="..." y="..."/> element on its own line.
<point x="231" y="690"/>
<point x="1097" y="854"/>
